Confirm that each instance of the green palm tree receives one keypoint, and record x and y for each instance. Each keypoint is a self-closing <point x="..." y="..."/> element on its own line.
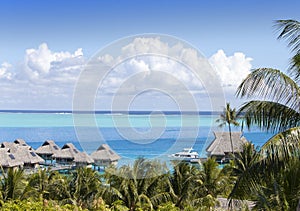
<point x="228" y="117"/>
<point x="58" y="188"/>
<point x="244" y="159"/>
<point x="38" y="184"/>
<point x="182" y="182"/>
<point x="139" y="186"/>
<point x="273" y="179"/>
<point x="13" y="184"/>
<point x="274" y="107"/>
<point x="278" y="106"/>
<point x="85" y="186"/>
<point x="212" y="182"/>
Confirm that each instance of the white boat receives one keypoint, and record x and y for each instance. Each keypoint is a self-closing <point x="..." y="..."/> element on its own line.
<point x="187" y="154"/>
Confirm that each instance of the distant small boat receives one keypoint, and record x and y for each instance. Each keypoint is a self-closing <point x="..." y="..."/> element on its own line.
<point x="187" y="154"/>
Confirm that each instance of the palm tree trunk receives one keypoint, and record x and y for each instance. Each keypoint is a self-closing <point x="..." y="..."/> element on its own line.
<point x="230" y="136"/>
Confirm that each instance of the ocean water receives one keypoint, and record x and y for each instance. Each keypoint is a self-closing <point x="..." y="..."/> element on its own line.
<point x="131" y="135"/>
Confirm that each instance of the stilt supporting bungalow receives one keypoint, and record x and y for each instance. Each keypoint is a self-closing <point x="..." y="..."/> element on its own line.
<point x="71" y="156"/>
<point x="47" y="150"/>
<point x="105" y="156"/>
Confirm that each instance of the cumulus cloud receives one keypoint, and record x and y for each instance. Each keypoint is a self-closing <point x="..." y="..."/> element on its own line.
<point x="231" y="69"/>
<point x="147" y="56"/>
<point x="5" y="71"/>
<point x="43" y="79"/>
<point x="46" y="78"/>
<point x="41" y="63"/>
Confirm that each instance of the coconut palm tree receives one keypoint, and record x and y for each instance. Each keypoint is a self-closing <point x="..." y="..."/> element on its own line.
<point x="142" y="185"/>
<point x="228" y="117"/>
<point x="182" y="181"/>
<point x="84" y="186"/>
<point x="58" y="187"/>
<point x="13" y="184"/>
<point x="244" y="159"/>
<point x="211" y="182"/>
<point x="38" y="184"/>
<point x="273" y="180"/>
<point x="274" y="106"/>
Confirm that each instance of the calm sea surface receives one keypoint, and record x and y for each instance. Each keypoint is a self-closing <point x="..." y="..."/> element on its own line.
<point x="133" y="135"/>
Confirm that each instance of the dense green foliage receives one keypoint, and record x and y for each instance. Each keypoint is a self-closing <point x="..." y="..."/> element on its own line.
<point x="147" y="185"/>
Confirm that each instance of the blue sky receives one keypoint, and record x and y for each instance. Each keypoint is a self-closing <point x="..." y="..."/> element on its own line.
<point x="66" y="26"/>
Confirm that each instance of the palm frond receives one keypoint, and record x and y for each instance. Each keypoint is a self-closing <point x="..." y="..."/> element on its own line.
<point x="286" y="143"/>
<point x="268" y="83"/>
<point x="294" y="68"/>
<point x="272" y="178"/>
<point x="290" y="31"/>
<point x="270" y="116"/>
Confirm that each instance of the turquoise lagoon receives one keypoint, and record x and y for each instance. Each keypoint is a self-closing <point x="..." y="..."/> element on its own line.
<point x="131" y="135"/>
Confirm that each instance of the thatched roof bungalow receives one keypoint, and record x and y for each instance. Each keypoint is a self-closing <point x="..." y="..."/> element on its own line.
<point x="220" y="147"/>
<point x="47" y="150"/>
<point x="8" y="160"/>
<point x="29" y="158"/>
<point x="105" y="156"/>
<point x="13" y="146"/>
<point x="83" y="159"/>
<point x="69" y="155"/>
<point x="21" y="156"/>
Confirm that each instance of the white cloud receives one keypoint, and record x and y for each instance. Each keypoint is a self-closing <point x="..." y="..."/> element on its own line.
<point x="231" y="69"/>
<point x="41" y="63"/>
<point x="43" y="80"/>
<point x="5" y="71"/>
<point x="46" y="79"/>
<point x="143" y="44"/>
<point x="148" y="55"/>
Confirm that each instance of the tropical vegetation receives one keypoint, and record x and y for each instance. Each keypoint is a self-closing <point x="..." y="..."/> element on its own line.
<point x="229" y="117"/>
<point x="272" y="175"/>
<point x="146" y="185"/>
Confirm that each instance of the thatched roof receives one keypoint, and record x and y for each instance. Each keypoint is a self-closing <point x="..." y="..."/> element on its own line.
<point x="28" y="156"/>
<point x="8" y="159"/>
<point x="104" y="152"/>
<point x="48" y="148"/>
<point x="13" y="146"/>
<point x="236" y="204"/>
<point x="20" y="142"/>
<point x="82" y="157"/>
<point x="69" y="151"/>
<point x="221" y="144"/>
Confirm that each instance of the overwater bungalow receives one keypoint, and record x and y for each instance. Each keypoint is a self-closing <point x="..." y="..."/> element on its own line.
<point x="47" y="150"/>
<point x="12" y="146"/>
<point x="29" y="158"/>
<point x="220" y="147"/>
<point x="70" y="155"/>
<point x="66" y="154"/>
<point x="105" y="156"/>
<point x="8" y="160"/>
<point x="83" y="159"/>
